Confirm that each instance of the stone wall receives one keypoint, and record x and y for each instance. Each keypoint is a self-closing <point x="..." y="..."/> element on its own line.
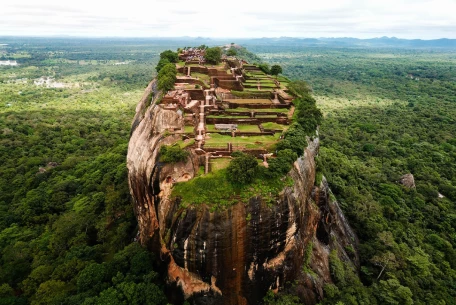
<point x="228" y="84"/>
<point x="196" y="69"/>
<point x="216" y="72"/>
<point x="196" y="94"/>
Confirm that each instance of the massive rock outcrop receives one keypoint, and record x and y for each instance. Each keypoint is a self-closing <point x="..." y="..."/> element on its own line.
<point x="234" y="255"/>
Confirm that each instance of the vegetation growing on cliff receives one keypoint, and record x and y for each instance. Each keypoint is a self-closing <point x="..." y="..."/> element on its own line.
<point x="166" y="57"/>
<point x="218" y="192"/>
<point x="242" y="169"/>
<point x="173" y="153"/>
<point x="166" y="77"/>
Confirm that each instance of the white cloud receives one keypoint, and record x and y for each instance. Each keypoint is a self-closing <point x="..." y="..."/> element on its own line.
<point x="234" y="18"/>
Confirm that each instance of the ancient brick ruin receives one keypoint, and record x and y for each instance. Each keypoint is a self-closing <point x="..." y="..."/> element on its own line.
<point x="227" y="104"/>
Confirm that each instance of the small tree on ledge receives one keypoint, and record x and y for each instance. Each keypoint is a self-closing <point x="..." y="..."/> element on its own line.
<point x="242" y="169"/>
<point x="173" y="154"/>
<point x="213" y="55"/>
<point x="231" y="52"/>
<point x="276" y="70"/>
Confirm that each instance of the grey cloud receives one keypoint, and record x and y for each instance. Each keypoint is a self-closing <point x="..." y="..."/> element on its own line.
<point x="37" y="17"/>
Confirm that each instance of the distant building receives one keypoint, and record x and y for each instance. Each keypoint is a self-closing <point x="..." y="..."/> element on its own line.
<point x="8" y="63"/>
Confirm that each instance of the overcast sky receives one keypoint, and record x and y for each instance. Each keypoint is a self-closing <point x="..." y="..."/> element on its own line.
<point x="230" y="18"/>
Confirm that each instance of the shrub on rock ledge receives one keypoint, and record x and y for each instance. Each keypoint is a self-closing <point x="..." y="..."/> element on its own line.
<point x="242" y="169"/>
<point x="213" y="55"/>
<point x="173" y="154"/>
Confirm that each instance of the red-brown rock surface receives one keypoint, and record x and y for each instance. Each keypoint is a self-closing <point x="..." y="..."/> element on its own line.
<point x="228" y="257"/>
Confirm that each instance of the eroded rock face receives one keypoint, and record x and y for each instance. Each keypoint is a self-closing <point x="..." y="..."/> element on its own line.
<point x="236" y="255"/>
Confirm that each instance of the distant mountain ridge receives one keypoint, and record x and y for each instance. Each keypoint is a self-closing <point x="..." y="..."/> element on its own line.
<point x="277" y="41"/>
<point x="330" y="42"/>
<point x="349" y="41"/>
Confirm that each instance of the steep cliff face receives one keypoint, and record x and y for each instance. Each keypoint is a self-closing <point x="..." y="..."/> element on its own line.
<point x="236" y="255"/>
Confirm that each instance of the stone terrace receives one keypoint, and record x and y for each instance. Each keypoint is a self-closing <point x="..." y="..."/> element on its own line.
<point x="232" y="106"/>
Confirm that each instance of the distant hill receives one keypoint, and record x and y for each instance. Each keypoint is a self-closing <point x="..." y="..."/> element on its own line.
<point x="265" y="41"/>
<point x="354" y="42"/>
<point x="330" y="42"/>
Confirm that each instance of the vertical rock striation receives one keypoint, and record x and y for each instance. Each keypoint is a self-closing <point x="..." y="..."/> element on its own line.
<point x="236" y="255"/>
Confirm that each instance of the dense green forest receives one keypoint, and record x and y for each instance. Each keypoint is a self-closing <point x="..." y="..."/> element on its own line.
<point x="67" y="227"/>
<point x="66" y="223"/>
<point x="388" y="112"/>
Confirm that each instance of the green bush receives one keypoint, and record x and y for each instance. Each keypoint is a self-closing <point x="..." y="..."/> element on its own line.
<point x="282" y="164"/>
<point x="161" y="64"/>
<point x="166" y="77"/>
<point x="307" y="114"/>
<point x="265" y="68"/>
<point x="242" y="169"/>
<point x="213" y="55"/>
<point x="231" y="52"/>
<point x="173" y="154"/>
<point x="276" y="70"/>
<point x="169" y="55"/>
<point x="294" y="139"/>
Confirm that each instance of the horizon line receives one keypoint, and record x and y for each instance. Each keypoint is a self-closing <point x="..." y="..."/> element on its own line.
<point x="213" y="38"/>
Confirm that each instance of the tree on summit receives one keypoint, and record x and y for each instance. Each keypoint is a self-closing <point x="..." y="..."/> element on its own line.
<point x="170" y="56"/>
<point x="242" y="169"/>
<point x="231" y="52"/>
<point x="213" y="55"/>
<point x="276" y="70"/>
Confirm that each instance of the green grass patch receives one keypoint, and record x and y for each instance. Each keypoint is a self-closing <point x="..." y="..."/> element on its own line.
<point x="261" y="81"/>
<point x="185" y="143"/>
<point x="214" y="189"/>
<point x="210" y="128"/>
<point x="251" y="94"/>
<point x="248" y="128"/>
<point x="282" y="78"/>
<point x="257" y="77"/>
<point x="241" y="109"/>
<point x="189" y="129"/>
<point x="258" y="73"/>
<point x="248" y="86"/>
<point x="203" y="77"/>
<point x="251" y="101"/>
<point x="253" y="142"/>
<point x="268" y="85"/>
<point x="226" y="116"/>
<point x="219" y="164"/>
<point x="256" y="91"/>
<point x="272" y="125"/>
<point x="266" y="116"/>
